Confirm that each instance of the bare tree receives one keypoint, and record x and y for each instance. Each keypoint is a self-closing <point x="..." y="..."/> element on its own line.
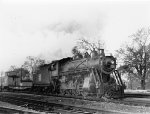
<point x="12" y="68"/>
<point x="32" y="63"/>
<point x="75" y="50"/>
<point x="86" y="45"/>
<point x="136" y="57"/>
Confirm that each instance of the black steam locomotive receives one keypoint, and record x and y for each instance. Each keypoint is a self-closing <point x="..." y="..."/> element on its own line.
<point x="89" y="76"/>
<point x="93" y="75"/>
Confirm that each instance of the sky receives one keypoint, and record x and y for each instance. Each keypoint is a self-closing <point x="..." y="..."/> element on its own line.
<point x="50" y="28"/>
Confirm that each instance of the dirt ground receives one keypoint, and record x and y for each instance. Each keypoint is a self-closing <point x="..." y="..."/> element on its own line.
<point x="106" y="106"/>
<point x="11" y="106"/>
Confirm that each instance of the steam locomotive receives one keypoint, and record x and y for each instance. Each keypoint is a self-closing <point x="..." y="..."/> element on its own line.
<point x="93" y="75"/>
<point x="90" y="76"/>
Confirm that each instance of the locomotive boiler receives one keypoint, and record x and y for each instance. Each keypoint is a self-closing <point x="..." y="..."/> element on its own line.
<point x="94" y="76"/>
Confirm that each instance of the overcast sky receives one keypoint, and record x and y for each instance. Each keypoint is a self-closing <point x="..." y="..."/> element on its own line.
<point x="50" y="28"/>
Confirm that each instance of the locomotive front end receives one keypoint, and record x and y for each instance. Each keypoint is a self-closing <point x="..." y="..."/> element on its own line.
<point x="113" y="86"/>
<point x="104" y="79"/>
<point x="108" y="64"/>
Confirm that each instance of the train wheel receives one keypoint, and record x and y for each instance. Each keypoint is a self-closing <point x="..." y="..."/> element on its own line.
<point x="73" y="92"/>
<point x="111" y="93"/>
<point x="69" y="92"/>
<point x="62" y="92"/>
<point x="77" y="93"/>
<point x="84" y="94"/>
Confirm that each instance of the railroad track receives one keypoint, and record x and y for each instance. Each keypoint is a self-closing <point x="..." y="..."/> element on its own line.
<point x="8" y="110"/>
<point x="43" y="106"/>
<point x="69" y="109"/>
<point x="127" y="95"/>
<point x="129" y="99"/>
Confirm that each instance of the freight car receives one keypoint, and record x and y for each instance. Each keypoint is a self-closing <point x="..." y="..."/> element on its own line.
<point x="94" y="76"/>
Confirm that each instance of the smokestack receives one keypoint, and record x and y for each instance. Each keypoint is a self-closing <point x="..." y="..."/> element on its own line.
<point x="101" y="52"/>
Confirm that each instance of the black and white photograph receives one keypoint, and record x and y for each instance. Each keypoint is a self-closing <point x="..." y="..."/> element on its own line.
<point x="74" y="56"/>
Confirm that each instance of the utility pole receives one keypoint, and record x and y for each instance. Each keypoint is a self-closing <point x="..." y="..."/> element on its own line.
<point x="21" y="73"/>
<point x="1" y="80"/>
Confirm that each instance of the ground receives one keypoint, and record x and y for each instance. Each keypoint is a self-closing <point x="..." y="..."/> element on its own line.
<point x="101" y="105"/>
<point x="11" y="106"/>
<point x="137" y="91"/>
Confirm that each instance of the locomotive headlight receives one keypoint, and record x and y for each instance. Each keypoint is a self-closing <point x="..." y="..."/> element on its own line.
<point x="112" y="64"/>
<point x="108" y="64"/>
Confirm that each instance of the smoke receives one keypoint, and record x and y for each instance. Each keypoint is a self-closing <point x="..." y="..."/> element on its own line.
<point x="76" y="28"/>
<point x="60" y="36"/>
<point x="56" y="55"/>
<point x="49" y="30"/>
<point x="68" y="28"/>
